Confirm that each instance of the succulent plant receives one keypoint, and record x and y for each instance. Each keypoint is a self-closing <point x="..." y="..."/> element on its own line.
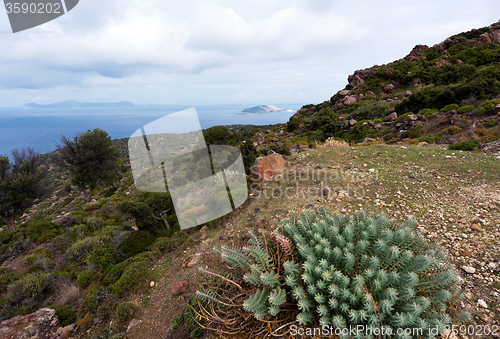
<point x="350" y="270"/>
<point x="370" y="271"/>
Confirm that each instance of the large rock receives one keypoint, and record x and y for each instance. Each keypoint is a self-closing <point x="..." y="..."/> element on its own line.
<point x="391" y="117"/>
<point x="267" y="167"/>
<point x="180" y="287"/>
<point x="495" y="36"/>
<point x="483" y="39"/>
<point x="349" y="100"/>
<point x="42" y="324"/>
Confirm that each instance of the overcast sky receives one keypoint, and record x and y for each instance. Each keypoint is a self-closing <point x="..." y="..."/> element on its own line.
<point x="218" y="51"/>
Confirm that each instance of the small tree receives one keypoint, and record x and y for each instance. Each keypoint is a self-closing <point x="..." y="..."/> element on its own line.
<point x="20" y="184"/>
<point x="90" y="159"/>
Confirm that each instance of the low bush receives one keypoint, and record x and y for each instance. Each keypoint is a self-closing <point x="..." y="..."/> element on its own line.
<point x="136" y="242"/>
<point x="453" y="130"/>
<point x="85" y="278"/>
<point x="481" y="132"/>
<point x="449" y="107"/>
<point x="7" y="277"/>
<point x="487" y="106"/>
<point x="125" y="310"/>
<point x="41" y="230"/>
<point x="465" y="145"/>
<point x="65" y="313"/>
<point x="465" y="109"/>
<point x="133" y="275"/>
<point x="492" y="122"/>
<point x="31" y="285"/>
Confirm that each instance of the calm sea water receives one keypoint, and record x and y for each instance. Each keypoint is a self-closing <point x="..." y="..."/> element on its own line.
<point x="42" y="128"/>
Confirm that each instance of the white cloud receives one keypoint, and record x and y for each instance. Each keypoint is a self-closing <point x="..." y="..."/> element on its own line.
<point x="218" y="51"/>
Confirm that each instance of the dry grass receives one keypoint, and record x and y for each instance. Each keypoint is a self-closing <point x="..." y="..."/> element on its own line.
<point x="330" y="142"/>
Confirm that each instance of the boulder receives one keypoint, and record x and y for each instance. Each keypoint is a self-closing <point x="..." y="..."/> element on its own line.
<point x="42" y="324"/>
<point x="414" y="82"/>
<point x="389" y="88"/>
<point x="411" y="117"/>
<point x="483" y="39"/>
<point x="391" y="117"/>
<point x="180" y="287"/>
<point x="365" y="140"/>
<point x="267" y="167"/>
<point x="258" y="139"/>
<point x="348" y="124"/>
<point x="495" y="36"/>
<point x="349" y="100"/>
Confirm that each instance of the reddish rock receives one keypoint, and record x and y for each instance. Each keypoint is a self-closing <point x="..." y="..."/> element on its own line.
<point x="483" y="39"/>
<point x="42" y="324"/>
<point x="459" y="62"/>
<point x="349" y="100"/>
<point x="417" y="49"/>
<point x="441" y="63"/>
<point x="476" y="227"/>
<point x="412" y="58"/>
<point x="326" y="192"/>
<point x="267" y="167"/>
<point x="495" y="36"/>
<point x="180" y="287"/>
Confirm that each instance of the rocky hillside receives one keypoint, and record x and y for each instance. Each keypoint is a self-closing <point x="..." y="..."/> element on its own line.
<point x="445" y="94"/>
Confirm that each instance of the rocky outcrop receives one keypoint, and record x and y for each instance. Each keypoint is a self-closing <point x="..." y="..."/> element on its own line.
<point x="42" y="324"/>
<point x="267" y="167"/>
<point x="348" y="124"/>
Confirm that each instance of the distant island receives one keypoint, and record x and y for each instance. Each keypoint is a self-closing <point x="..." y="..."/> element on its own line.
<point x="76" y="104"/>
<point x="263" y="109"/>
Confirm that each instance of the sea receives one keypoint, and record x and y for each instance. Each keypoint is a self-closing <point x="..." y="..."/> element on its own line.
<point x="42" y="128"/>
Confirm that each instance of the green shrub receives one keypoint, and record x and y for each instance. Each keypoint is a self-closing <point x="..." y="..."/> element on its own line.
<point x="65" y="313"/>
<point x="350" y="270"/>
<point x="465" y="145"/>
<point x="431" y="139"/>
<point x="492" y="123"/>
<point x="487" y="106"/>
<point x="125" y="310"/>
<point x="85" y="278"/>
<point x="133" y="275"/>
<point x="465" y="109"/>
<point x="136" y="242"/>
<point x="86" y="245"/>
<point x="7" y="277"/>
<point x="166" y="244"/>
<point x="31" y="285"/>
<point x="415" y="132"/>
<point x="449" y="107"/>
<point x="41" y="230"/>
<point x="103" y="256"/>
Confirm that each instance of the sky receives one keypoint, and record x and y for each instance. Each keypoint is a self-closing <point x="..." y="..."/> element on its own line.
<point x="197" y="52"/>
